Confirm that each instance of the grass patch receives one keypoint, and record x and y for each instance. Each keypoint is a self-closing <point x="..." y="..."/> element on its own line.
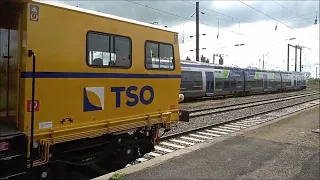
<point x="117" y="176"/>
<point x="314" y="84"/>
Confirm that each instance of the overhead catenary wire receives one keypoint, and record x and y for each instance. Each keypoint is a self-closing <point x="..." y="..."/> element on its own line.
<point x="241" y="20"/>
<point x="296" y="20"/>
<point x="181" y="17"/>
<point x="289" y="10"/>
<point x="217" y="12"/>
<point x="265" y="14"/>
<point x="299" y="17"/>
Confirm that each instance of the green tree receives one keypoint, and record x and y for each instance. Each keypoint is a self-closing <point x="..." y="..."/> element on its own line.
<point x="308" y="75"/>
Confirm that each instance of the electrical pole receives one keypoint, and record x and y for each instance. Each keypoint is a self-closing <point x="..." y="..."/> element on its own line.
<point x="316" y="72"/>
<point x="300" y="59"/>
<point x="259" y="63"/>
<point x="288" y="57"/>
<point x="296" y="47"/>
<point x="213" y="59"/>
<point x="197" y="31"/>
<point x="220" y="57"/>
<point x="263" y="61"/>
<point x="295" y="57"/>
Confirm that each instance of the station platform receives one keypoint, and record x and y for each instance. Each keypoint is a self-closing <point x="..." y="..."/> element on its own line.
<point x="286" y="148"/>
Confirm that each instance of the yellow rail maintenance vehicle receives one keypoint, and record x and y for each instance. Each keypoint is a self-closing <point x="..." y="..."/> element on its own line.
<point x="80" y="87"/>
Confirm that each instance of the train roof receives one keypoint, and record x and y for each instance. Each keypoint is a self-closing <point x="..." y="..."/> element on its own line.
<point x="66" y="6"/>
<point x="217" y="66"/>
<point x="207" y="65"/>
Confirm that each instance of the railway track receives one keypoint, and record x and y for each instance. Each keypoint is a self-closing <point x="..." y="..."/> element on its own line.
<point x="226" y="108"/>
<point x="271" y="95"/>
<point x="173" y="142"/>
<point x="228" y="102"/>
<point x="193" y="136"/>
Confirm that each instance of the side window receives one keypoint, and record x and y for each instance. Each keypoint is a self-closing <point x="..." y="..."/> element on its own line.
<point x="250" y="82"/>
<point x="239" y="83"/>
<point x="218" y="83"/>
<point x="191" y="80"/>
<point x="226" y="83"/>
<point x="184" y="76"/>
<point x="105" y="50"/>
<point x="159" y="56"/>
<point x="233" y="84"/>
<point x="197" y="78"/>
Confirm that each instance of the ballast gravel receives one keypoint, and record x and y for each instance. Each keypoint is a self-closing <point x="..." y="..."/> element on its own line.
<point x="223" y="117"/>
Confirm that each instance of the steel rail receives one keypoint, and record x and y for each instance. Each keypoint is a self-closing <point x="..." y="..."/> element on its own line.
<point x="234" y="120"/>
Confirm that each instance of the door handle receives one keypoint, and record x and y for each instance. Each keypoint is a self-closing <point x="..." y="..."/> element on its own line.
<point x="6" y="57"/>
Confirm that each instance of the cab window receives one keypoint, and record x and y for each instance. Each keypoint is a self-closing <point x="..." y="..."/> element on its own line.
<point x="159" y="56"/>
<point x="105" y="50"/>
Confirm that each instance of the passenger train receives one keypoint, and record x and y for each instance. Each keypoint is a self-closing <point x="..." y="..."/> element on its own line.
<point x="79" y="87"/>
<point x="200" y="80"/>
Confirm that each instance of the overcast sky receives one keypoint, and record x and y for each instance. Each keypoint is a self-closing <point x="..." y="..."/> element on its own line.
<point x="238" y="23"/>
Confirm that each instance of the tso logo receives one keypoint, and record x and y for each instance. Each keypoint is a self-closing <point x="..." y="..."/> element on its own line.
<point x="96" y="96"/>
<point x="131" y="93"/>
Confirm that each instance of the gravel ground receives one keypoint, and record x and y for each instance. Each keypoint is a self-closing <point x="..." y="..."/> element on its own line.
<point x="232" y="101"/>
<point x="222" y="117"/>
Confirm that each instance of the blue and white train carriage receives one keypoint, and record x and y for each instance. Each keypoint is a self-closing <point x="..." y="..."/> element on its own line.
<point x="206" y="80"/>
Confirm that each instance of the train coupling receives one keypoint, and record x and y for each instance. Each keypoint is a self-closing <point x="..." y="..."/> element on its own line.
<point x="184" y="115"/>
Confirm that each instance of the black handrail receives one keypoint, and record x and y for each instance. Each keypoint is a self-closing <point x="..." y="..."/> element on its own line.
<point x="31" y="53"/>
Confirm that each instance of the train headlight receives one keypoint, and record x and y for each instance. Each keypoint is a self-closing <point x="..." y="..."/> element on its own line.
<point x="35" y="145"/>
<point x="181" y="97"/>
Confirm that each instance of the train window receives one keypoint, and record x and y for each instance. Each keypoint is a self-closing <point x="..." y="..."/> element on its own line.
<point x="159" y="56"/>
<point x="197" y="77"/>
<point x="191" y="80"/>
<point x="271" y="83"/>
<point x="257" y="83"/>
<point x="265" y="83"/>
<point x="218" y="85"/>
<point x="249" y="82"/>
<point x="233" y="84"/>
<point x="226" y="84"/>
<point x="106" y="50"/>
<point x="254" y="83"/>
<point x="288" y="82"/>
